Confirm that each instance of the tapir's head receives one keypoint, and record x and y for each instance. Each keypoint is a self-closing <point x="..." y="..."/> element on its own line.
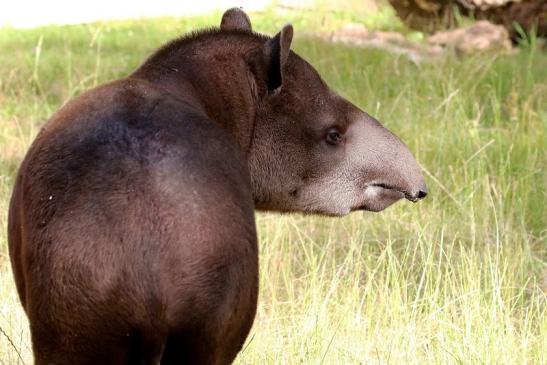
<point x="312" y="150"/>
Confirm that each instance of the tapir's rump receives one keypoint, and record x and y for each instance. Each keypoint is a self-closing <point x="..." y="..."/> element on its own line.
<point x="131" y="224"/>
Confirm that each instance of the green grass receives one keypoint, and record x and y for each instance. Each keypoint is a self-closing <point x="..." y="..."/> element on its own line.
<point x="460" y="278"/>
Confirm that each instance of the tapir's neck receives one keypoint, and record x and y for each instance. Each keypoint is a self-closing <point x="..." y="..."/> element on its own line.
<point x="212" y="77"/>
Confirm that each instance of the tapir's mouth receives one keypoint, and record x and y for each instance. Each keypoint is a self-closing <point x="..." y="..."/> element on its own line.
<point x="379" y="196"/>
<point x="404" y="194"/>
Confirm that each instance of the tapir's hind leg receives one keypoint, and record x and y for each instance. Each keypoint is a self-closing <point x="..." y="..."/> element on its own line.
<point x="189" y="348"/>
<point x="215" y="340"/>
<point x="134" y="347"/>
<point x="199" y="349"/>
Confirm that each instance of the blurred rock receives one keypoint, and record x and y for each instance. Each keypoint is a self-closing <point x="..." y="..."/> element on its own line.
<point x="433" y="15"/>
<point x="356" y="34"/>
<point x="479" y="37"/>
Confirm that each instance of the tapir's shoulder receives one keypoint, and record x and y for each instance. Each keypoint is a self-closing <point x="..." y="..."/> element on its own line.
<point x="124" y="124"/>
<point x="130" y="110"/>
<point x="122" y="99"/>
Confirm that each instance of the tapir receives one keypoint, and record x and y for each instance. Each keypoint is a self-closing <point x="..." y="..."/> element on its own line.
<point x="131" y="225"/>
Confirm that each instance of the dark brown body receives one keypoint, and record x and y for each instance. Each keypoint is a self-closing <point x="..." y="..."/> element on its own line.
<point x="131" y="226"/>
<point x="124" y="260"/>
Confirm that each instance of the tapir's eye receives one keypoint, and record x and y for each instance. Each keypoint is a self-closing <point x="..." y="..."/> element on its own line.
<point x="334" y="136"/>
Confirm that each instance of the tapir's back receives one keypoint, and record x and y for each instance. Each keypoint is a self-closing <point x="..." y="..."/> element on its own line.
<point x="124" y="188"/>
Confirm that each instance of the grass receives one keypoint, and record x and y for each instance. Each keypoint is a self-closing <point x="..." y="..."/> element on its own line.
<point x="460" y="278"/>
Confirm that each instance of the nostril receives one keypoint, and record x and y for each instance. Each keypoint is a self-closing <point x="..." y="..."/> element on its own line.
<point x="422" y="194"/>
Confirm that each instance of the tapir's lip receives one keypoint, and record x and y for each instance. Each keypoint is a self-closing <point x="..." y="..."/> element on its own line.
<point x="380" y="196"/>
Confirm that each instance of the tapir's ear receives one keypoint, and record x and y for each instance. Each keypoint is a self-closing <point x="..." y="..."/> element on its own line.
<point x="276" y="52"/>
<point x="235" y="19"/>
<point x="268" y="62"/>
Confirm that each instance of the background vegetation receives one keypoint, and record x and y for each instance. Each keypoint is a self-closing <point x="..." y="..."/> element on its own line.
<point x="460" y="278"/>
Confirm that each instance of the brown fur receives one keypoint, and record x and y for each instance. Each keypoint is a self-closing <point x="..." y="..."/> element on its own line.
<point x="131" y="225"/>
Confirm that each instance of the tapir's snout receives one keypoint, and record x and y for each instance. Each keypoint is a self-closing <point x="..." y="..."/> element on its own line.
<point x="422" y="193"/>
<point x="391" y="171"/>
